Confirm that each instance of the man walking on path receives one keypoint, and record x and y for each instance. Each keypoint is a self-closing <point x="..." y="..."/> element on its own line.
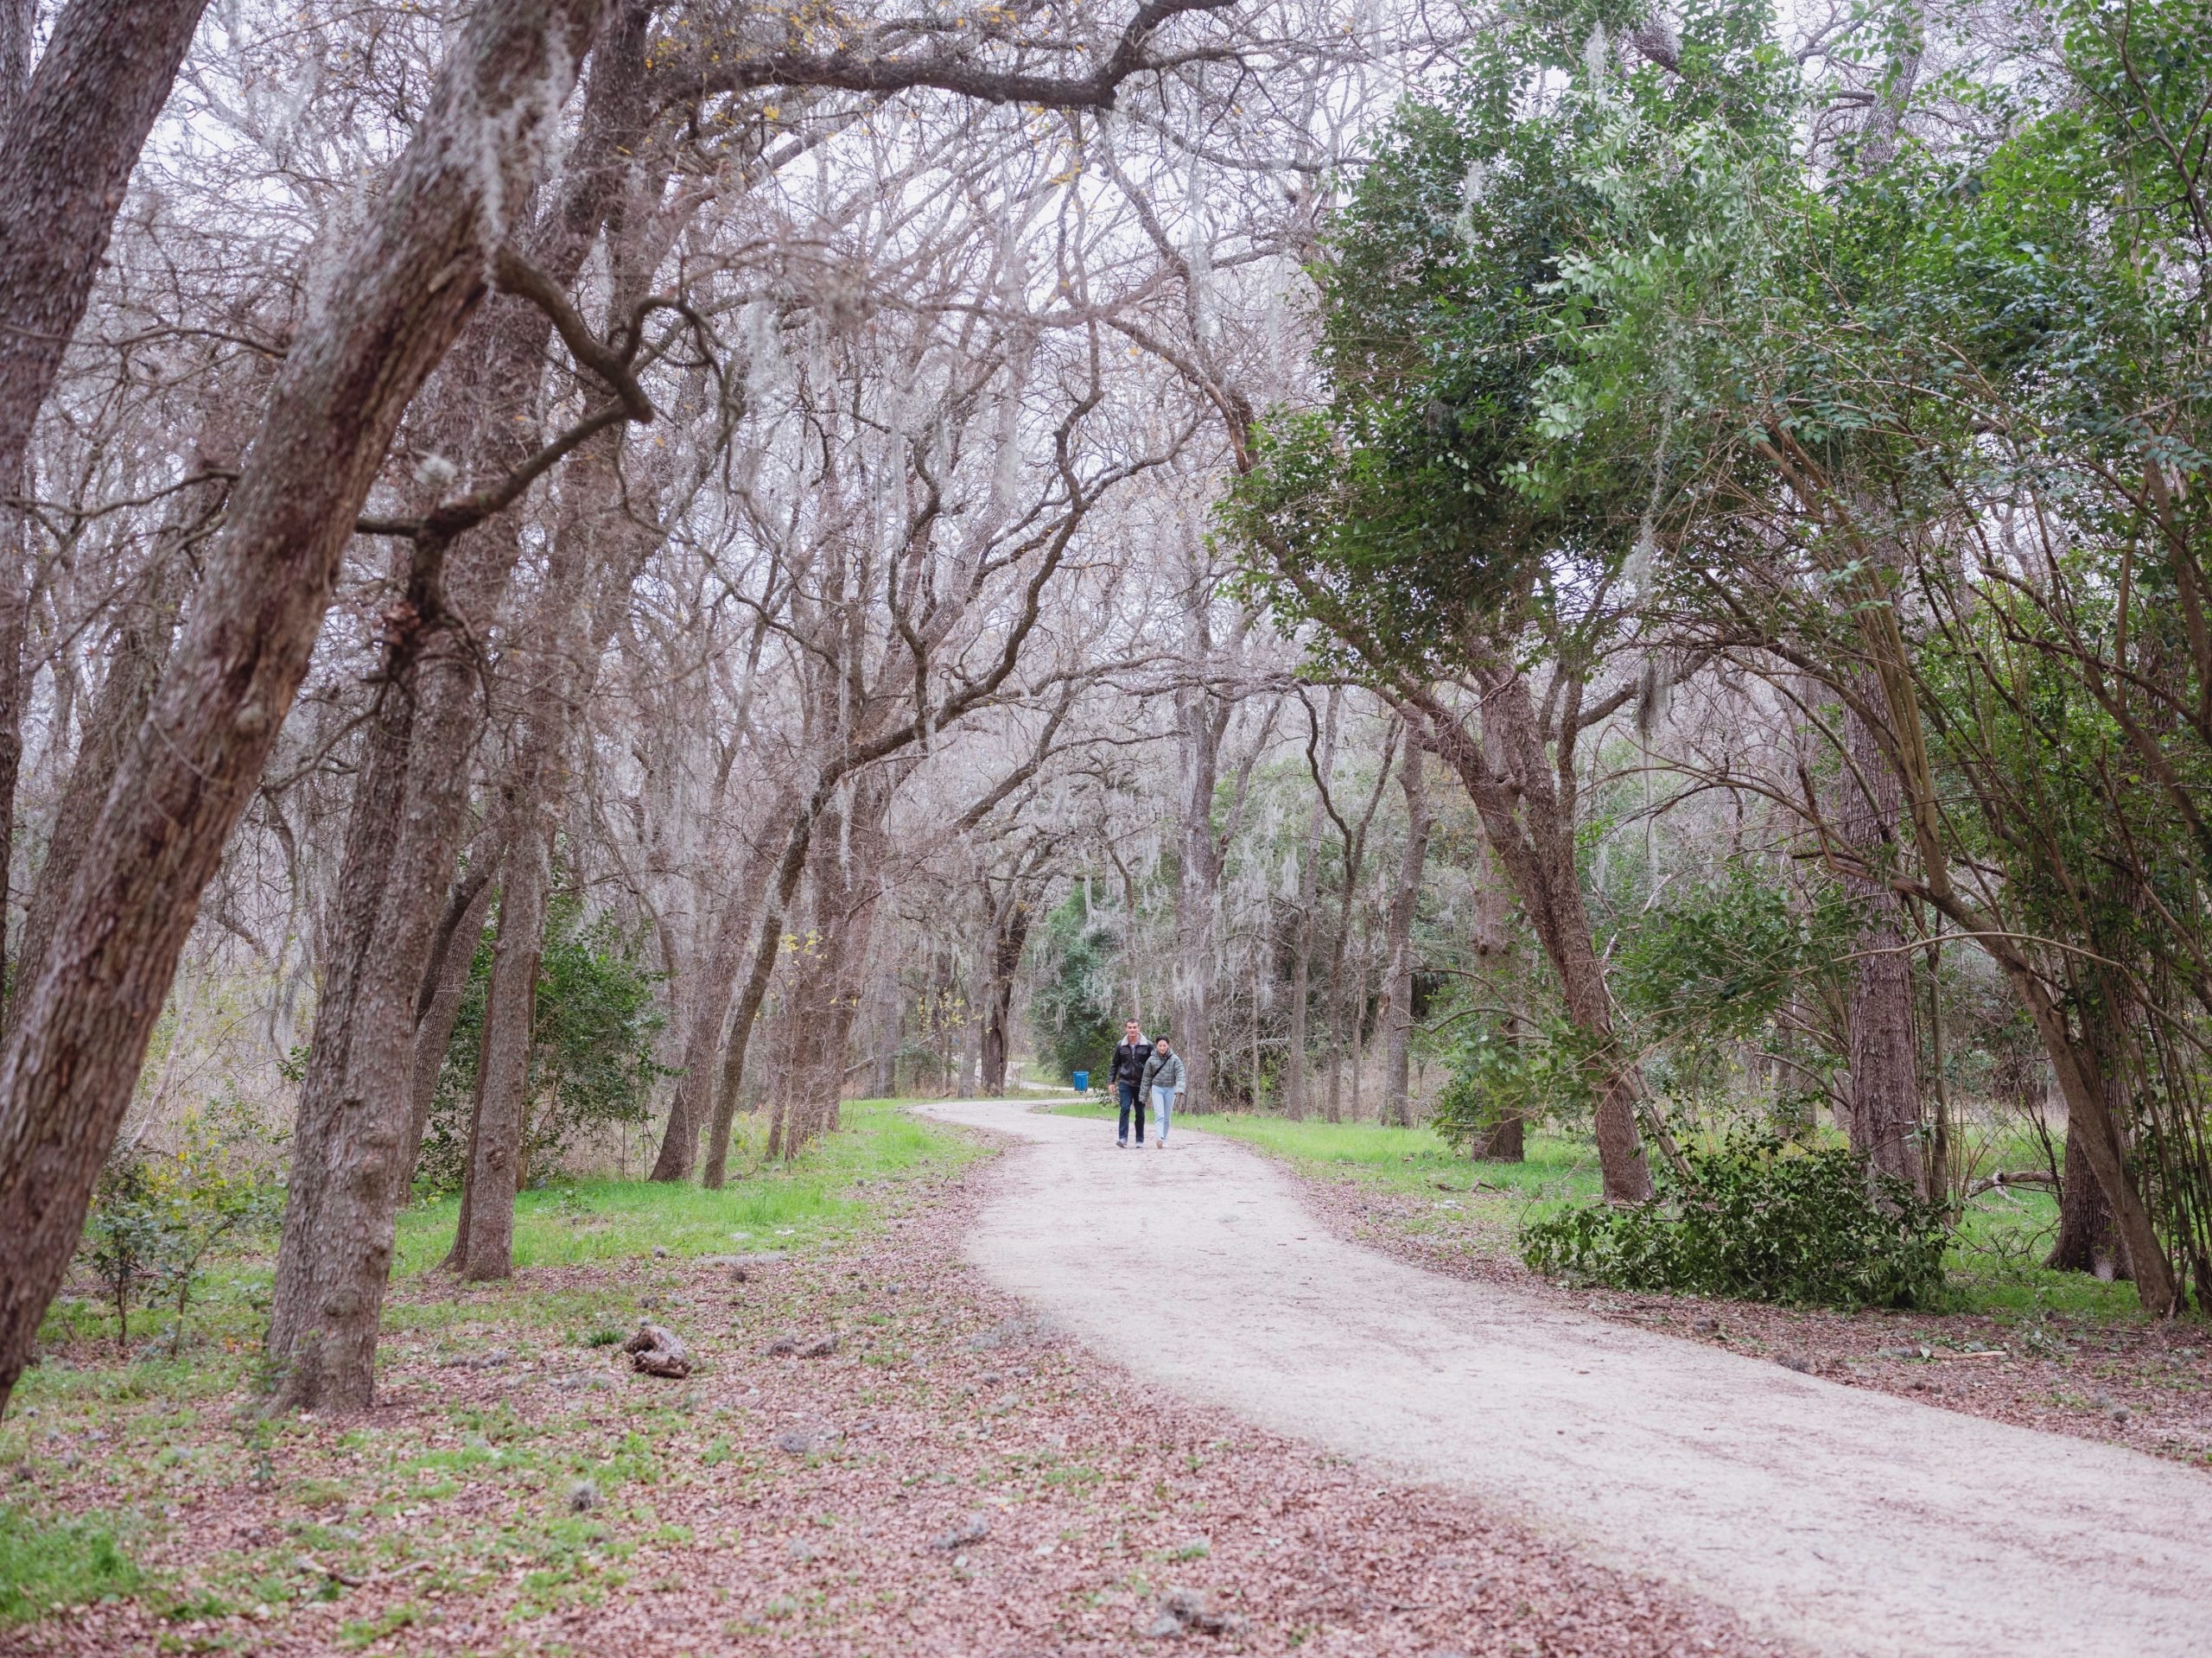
<point x="1126" y="1072"/>
<point x="1163" y="1075"/>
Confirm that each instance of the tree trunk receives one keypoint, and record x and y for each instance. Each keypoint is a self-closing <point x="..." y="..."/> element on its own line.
<point x="679" y="1145"/>
<point x="845" y="877"/>
<point x="141" y="650"/>
<point x="1516" y="786"/>
<point x="18" y="20"/>
<point x="14" y="628"/>
<point x="1355" y="854"/>
<point x="484" y="1242"/>
<point x="1199" y="880"/>
<point x="445" y="986"/>
<point x="1883" y="1093"/>
<point x="1297" y="1063"/>
<point x="1397" y="1019"/>
<point x="1498" y="951"/>
<point x="72" y="131"/>
<point x="1507" y="1142"/>
<point x="1009" y="937"/>
<point x="65" y="157"/>
<point x="556" y="650"/>
<point x="972" y="994"/>
<point x="1202" y="721"/>
<point x="2089" y="1121"/>
<point x="2088" y="1240"/>
<point x="715" y="984"/>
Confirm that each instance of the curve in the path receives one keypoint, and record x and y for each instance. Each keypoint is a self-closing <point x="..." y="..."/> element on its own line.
<point x="1845" y="1520"/>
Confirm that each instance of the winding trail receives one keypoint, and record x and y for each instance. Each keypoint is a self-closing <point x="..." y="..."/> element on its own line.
<point x="1844" y="1519"/>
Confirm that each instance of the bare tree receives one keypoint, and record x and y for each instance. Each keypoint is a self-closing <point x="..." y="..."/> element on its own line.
<point x="393" y="309"/>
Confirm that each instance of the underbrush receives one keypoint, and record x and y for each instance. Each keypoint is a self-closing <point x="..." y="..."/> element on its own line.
<point x="1761" y="1219"/>
<point x="155" y="1437"/>
<point x="1992" y="1263"/>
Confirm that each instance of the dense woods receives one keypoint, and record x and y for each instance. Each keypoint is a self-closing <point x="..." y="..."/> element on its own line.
<point x="582" y="571"/>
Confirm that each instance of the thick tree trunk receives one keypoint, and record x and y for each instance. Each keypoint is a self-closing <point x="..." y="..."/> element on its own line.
<point x="1203" y="720"/>
<point x="814" y="1066"/>
<point x="1397" y="1020"/>
<point x="71" y="134"/>
<point x="1297" y="1086"/>
<point x="2090" y="1122"/>
<point x="1883" y="1093"/>
<point x="18" y="20"/>
<point x="1511" y="777"/>
<point x="483" y="1243"/>
<point x="14" y="629"/>
<point x="356" y="1129"/>
<point x="1498" y="951"/>
<point x="65" y="157"/>
<point x="357" y="1132"/>
<point x="1507" y="1142"/>
<point x="2088" y="1240"/>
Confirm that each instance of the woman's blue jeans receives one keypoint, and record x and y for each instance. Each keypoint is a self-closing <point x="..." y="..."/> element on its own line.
<point x="1163" y="1102"/>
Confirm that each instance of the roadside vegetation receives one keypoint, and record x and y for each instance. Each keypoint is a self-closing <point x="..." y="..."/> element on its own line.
<point x="1992" y="1263"/>
<point x="119" y="1453"/>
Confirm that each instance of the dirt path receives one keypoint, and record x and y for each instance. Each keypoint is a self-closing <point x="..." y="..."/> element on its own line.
<point x="1844" y="1519"/>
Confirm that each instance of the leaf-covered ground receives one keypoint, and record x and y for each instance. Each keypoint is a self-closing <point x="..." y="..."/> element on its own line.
<point x="953" y="1479"/>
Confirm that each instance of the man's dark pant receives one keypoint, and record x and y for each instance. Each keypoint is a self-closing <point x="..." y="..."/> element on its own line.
<point x="1132" y="1100"/>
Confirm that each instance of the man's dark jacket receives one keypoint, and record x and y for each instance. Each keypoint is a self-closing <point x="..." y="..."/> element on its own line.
<point x="1128" y="1062"/>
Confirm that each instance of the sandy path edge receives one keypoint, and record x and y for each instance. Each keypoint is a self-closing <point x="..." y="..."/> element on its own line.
<point x="1846" y="1520"/>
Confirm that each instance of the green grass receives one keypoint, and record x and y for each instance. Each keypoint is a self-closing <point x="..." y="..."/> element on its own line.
<point x="65" y="1562"/>
<point x="1414" y="1160"/>
<point x="811" y="1201"/>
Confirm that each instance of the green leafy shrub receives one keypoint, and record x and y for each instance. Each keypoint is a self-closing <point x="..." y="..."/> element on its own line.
<point x="158" y="1213"/>
<point x="591" y="1047"/>
<point x="1542" y="1073"/>
<point x="1767" y="1220"/>
<point x="1725" y="955"/>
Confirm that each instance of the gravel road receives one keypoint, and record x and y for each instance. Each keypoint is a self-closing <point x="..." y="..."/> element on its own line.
<point x="1844" y="1519"/>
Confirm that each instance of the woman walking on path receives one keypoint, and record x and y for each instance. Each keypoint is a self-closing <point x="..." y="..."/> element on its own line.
<point x="1127" y="1074"/>
<point x="1163" y="1076"/>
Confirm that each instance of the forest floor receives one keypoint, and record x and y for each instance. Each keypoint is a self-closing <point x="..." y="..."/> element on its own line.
<point x="949" y="1476"/>
<point x="2058" y="1352"/>
<point x="1841" y="1517"/>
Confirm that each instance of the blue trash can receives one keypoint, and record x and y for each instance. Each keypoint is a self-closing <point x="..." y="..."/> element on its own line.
<point x="1083" y="1082"/>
